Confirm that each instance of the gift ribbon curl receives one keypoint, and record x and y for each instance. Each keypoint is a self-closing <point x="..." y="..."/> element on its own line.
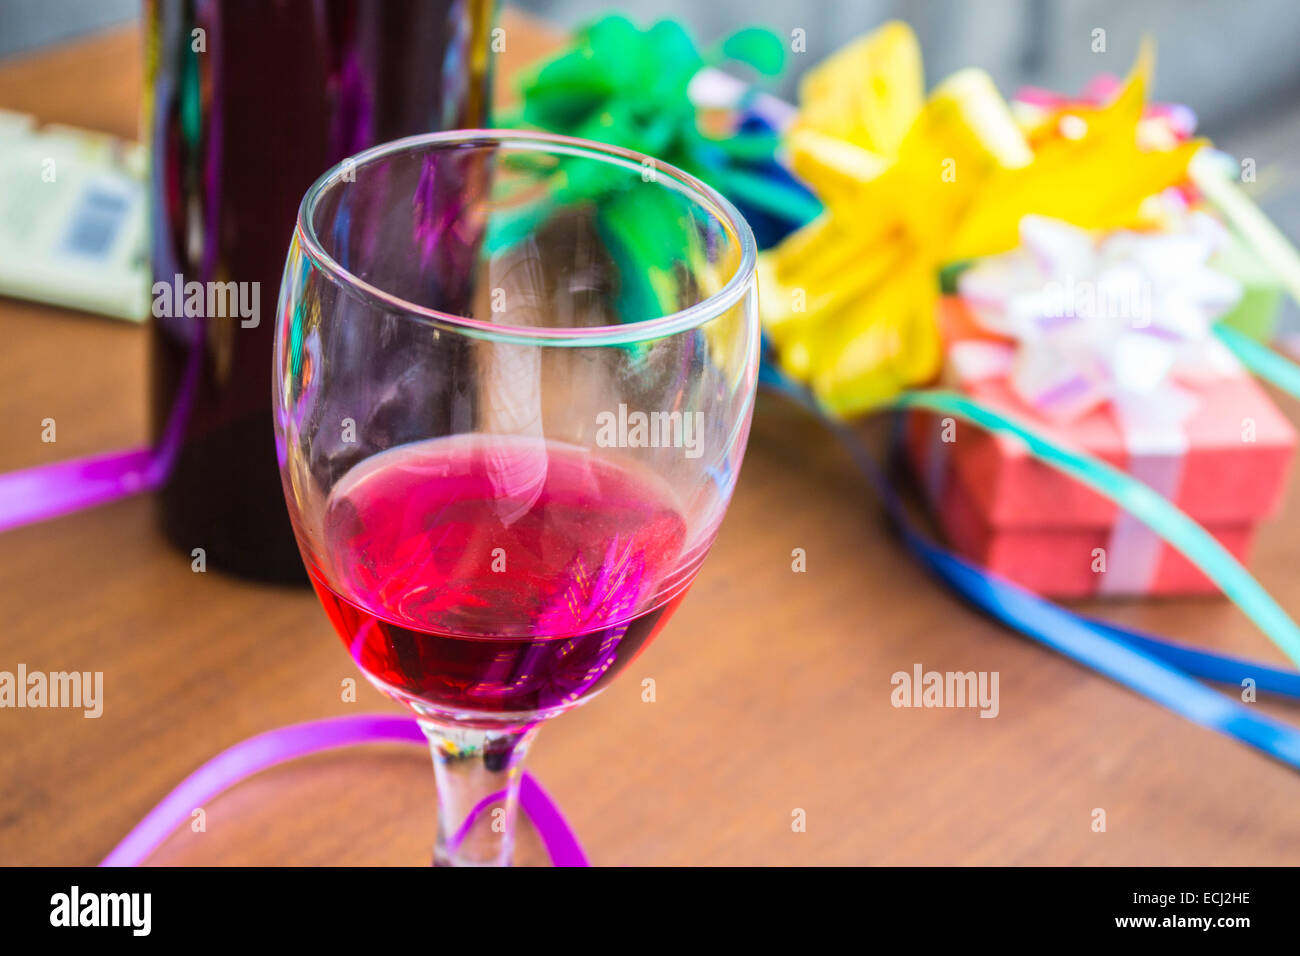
<point x="1162" y="671"/>
<point x="299" y="740"/>
<point x="1153" y="509"/>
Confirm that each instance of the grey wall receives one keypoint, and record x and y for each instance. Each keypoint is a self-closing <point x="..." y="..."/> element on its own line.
<point x="1229" y="57"/>
<point x="25" y="24"/>
<point x="1232" y="58"/>
<point x="1236" y="61"/>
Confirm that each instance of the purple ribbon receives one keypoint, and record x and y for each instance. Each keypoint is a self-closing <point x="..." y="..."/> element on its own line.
<point x="298" y="740"/>
<point x="43" y="492"/>
<point x="48" y="491"/>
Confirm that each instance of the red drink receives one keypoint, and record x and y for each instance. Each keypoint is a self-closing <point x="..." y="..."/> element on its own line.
<point x="491" y="576"/>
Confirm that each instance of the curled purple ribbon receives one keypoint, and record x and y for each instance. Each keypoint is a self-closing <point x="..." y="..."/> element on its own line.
<point x="37" y="494"/>
<point x="48" y="491"/>
<point x="298" y="740"/>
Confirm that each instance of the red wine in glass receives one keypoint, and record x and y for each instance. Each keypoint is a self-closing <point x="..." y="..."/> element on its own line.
<point x="486" y="576"/>
<point x="509" y="415"/>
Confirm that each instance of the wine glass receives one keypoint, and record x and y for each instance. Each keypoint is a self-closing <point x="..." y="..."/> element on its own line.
<point x="514" y="376"/>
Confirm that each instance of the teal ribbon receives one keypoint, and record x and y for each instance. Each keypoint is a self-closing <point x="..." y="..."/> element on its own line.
<point x="1261" y="360"/>
<point x="1162" y="671"/>
<point x="1153" y="509"/>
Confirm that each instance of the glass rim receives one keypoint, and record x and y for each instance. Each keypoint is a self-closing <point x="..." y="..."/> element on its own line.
<point x="695" y="190"/>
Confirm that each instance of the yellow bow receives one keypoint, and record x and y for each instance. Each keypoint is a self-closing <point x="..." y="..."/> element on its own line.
<point x="911" y="184"/>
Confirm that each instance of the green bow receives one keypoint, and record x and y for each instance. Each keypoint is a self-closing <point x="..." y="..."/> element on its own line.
<point x="619" y="84"/>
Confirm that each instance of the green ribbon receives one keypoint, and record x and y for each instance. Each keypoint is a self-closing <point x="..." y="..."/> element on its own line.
<point x="619" y="84"/>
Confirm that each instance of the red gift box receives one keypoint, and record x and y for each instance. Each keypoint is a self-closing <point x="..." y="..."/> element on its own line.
<point x="1034" y="525"/>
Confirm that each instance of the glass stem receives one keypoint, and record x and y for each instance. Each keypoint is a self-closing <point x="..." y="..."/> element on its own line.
<point x="478" y="774"/>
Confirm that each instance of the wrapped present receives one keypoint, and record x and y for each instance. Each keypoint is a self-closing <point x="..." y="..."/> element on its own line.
<point x="847" y="301"/>
<point x="1107" y="347"/>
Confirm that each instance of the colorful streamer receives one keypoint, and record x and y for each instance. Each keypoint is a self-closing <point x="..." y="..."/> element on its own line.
<point x="1159" y="670"/>
<point x="1262" y="360"/>
<point x="288" y="743"/>
<point x="1152" y="508"/>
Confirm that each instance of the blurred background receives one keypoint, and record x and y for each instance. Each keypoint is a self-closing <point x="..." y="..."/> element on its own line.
<point x="1236" y="61"/>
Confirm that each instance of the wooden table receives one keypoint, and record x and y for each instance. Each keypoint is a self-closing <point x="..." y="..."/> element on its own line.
<point x="773" y="688"/>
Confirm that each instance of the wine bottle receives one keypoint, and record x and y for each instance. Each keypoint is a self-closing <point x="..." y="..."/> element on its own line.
<point x="246" y="104"/>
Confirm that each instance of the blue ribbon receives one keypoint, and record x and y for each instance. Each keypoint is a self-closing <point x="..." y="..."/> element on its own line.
<point x="1163" y="671"/>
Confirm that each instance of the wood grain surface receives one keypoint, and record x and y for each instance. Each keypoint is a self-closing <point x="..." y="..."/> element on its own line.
<point x="773" y="687"/>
